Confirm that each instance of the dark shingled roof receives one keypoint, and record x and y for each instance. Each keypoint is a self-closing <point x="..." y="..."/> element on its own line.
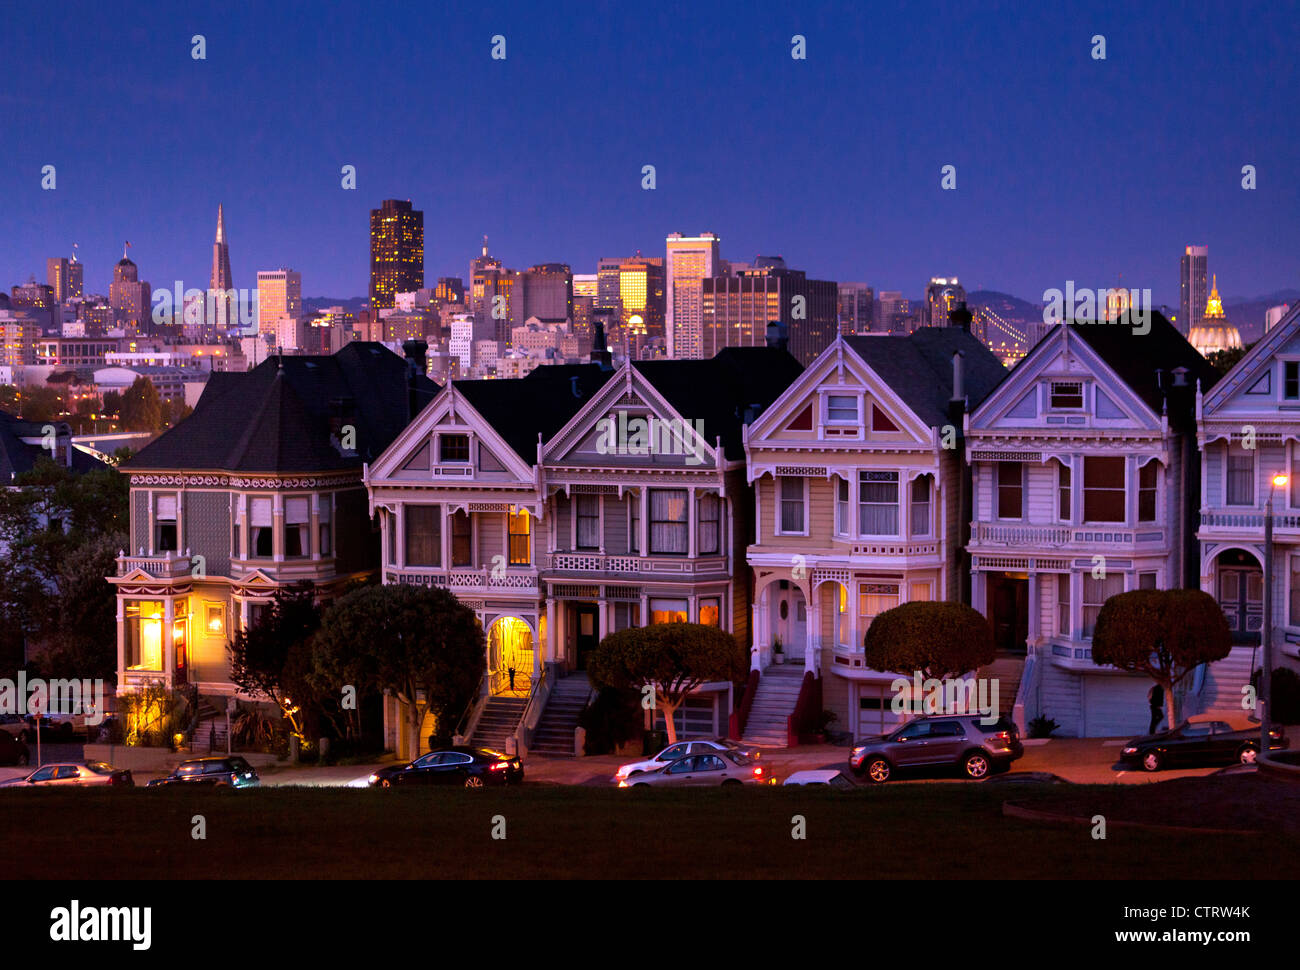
<point x="1135" y="358"/>
<point x="918" y="368"/>
<point x="726" y="392"/>
<point x="277" y="416"/>
<point x="542" y="402"/>
<point x="18" y="456"/>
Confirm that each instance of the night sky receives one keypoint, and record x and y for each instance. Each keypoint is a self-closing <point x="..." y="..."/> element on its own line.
<point x="1067" y="168"/>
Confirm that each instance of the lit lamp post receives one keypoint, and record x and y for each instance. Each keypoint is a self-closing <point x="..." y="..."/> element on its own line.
<point x="1266" y="674"/>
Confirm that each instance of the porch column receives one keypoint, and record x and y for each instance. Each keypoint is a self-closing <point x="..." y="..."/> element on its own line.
<point x="180" y="521"/>
<point x="169" y="645"/>
<point x="551" y="631"/>
<point x="600" y="521"/>
<point x="538" y="647"/>
<point x="855" y="634"/>
<point x="445" y="537"/>
<point x="643" y="546"/>
<point x="602" y="619"/>
<point x="1035" y="613"/>
<point x="277" y="526"/>
<point x="692" y="523"/>
<point x="313" y="527"/>
<point x="121" y="640"/>
<point x="758" y="628"/>
<point x="812" y="631"/>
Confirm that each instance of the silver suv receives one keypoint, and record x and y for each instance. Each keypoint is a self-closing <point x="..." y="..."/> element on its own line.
<point x="960" y="740"/>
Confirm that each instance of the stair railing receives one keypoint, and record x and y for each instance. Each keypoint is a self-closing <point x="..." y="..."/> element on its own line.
<point x="538" y="695"/>
<point x="469" y="720"/>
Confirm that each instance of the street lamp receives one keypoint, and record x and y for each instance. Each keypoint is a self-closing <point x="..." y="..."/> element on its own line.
<point x="1266" y="674"/>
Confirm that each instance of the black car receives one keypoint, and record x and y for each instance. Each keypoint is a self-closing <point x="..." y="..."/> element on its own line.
<point x="468" y="767"/>
<point x="12" y="750"/>
<point x="1198" y="745"/>
<point x="232" y="772"/>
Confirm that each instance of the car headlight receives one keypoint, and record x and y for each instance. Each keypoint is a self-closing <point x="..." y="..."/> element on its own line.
<point x="1130" y="750"/>
<point x="859" y="752"/>
<point x="373" y="779"/>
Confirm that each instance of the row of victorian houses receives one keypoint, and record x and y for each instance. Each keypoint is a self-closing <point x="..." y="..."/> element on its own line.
<point x="783" y="504"/>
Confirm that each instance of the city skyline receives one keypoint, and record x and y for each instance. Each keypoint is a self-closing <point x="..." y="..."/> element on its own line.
<point x="858" y="211"/>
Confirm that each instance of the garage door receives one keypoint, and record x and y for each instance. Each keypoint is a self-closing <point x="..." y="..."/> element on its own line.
<point x="1115" y="707"/>
<point x="694" y="718"/>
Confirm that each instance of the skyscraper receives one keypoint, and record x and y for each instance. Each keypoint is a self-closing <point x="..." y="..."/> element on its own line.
<point x="689" y="260"/>
<point x="544" y="291"/>
<point x="941" y="295"/>
<point x="279" y="296"/>
<point x="856" y="307"/>
<point x="1193" y="276"/>
<point x="223" y="299"/>
<point x="396" y="251"/>
<point x="641" y="303"/>
<point x="737" y="309"/>
<point x="130" y="299"/>
<point x="65" y="277"/>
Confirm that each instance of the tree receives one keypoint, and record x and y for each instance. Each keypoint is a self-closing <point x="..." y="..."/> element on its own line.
<point x="262" y="657"/>
<point x="141" y="408"/>
<point x="672" y="659"/>
<point x="9" y="398"/>
<point x="1224" y="360"/>
<point x="112" y="404"/>
<point x="421" y="644"/>
<point x="81" y="642"/>
<point x="937" y="638"/>
<point x="41" y="404"/>
<point x="1162" y="633"/>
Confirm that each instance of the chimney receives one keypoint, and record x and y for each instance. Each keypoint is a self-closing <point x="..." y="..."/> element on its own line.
<point x="414" y="351"/>
<point x="600" y="350"/>
<point x="958" y="377"/>
<point x="959" y="316"/>
<point x="777" y="336"/>
<point x="1180" y="377"/>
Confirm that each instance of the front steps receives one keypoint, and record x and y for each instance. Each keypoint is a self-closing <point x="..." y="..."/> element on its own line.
<point x="499" y="721"/>
<point x="554" y="736"/>
<point x="778" y="690"/>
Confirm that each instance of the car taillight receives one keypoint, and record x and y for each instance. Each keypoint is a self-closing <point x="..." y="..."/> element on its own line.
<point x="1274" y="733"/>
<point x="497" y="766"/>
<point x="1001" y="737"/>
<point x="758" y="772"/>
<point x="234" y="778"/>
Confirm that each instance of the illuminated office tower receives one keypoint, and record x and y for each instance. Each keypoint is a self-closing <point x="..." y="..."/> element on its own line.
<point x="856" y="307"/>
<point x="1193" y="277"/>
<point x="223" y="300"/>
<point x="641" y="300"/>
<point x="130" y="299"/>
<point x="65" y="277"/>
<point x="689" y="261"/>
<point x="941" y="295"/>
<point x="396" y="251"/>
<point x="279" y="295"/>
<point x="738" y="309"/>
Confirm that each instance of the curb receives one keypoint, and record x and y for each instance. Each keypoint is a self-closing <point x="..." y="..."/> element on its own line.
<point x="1013" y="810"/>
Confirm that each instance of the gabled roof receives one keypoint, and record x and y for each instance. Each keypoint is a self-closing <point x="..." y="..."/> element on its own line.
<point x="1256" y="359"/>
<point x="277" y="416"/>
<point x="18" y="456"/>
<point x="726" y="392"/>
<point x="918" y="368"/>
<point x="540" y="403"/>
<point x="1135" y="358"/>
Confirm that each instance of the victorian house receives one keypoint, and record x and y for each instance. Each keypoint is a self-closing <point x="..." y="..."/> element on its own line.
<point x="574" y="502"/>
<point x="1249" y="435"/>
<point x="1085" y="479"/>
<point x="261" y="487"/>
<point x="860" y="505"/>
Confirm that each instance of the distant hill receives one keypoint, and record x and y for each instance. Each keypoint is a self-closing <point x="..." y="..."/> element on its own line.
<point x="1005" y="305"/>
<point x="351" y="304"/>
<point x="1248" y="315"/>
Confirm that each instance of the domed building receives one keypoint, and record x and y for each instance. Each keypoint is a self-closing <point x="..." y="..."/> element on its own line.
<point x="1216" y="333"/>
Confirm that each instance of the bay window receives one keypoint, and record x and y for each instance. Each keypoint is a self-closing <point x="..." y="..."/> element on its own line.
<point x="326" y="525"/>
<point x="1064" y="492"/>
<point x="878" y="503"/>
<point x="668" y="522"/>
<point x="709" y="540"/>
<point x="462" y="551"/>
<point x="792" y="506"/>
<point x="874" y="599"/>
<point x="520" y="537"/>
<point x="1095" y="593"/>
<point x="1011" y="490"/>
<point x="587" y="517"/>
<point x="164" y="523"/>
<point x="1103" y="489"/>
<point x="297" y="522"/>
<point x="423" y="535"/>
<point x="1241" y="478"/>
<point x="1147" y="492"/>
<point x="261" y="524"/>
<point x="841" y="506"/>
<point x="143" y="620"/>
<point x="921" y="506"/>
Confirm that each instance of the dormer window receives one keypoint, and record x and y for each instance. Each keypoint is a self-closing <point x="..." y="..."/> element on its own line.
<point x="1067" y="396"/>
<point x="453" y="448"/>
<point x="841" y="409"/>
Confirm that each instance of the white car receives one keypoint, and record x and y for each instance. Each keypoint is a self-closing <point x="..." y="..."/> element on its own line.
<point x="67" y="774"/>
<point x="679" y="750"/>
<point x="830" y="777"/>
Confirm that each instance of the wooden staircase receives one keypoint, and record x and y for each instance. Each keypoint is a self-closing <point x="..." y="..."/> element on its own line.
<point x="778" y="691"/>
<point x="1006" y="673"/>
<point x="499" y="721"/>
<point x="554" y="736"/>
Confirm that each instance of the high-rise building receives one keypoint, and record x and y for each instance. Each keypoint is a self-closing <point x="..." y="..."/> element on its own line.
<point x="279" y="295"/>
<point x="396" y="251"/>
<point x="585" y="284"/>
<point x="1193" y="277"/>
<point x="891" y="307"/>
<point x="65" y="277"/>
<point x="223" y="299"/>
<point x="450" y="289"/>
<point x="607" y="274"/>
<point x="738" y="309"/>
<point x="641" y="300"/>
<point x="942" y="293"/>
<point x="856" y="307"/>
<point x="544" y="291"/>
<point x="130" y="298"/>
<point x="689" y="260"/>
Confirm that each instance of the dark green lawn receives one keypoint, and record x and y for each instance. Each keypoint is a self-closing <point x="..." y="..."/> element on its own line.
<point x="899" y="831"/>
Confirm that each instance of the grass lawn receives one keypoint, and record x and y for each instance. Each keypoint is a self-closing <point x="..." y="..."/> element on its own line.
<point x="897" y="831"/>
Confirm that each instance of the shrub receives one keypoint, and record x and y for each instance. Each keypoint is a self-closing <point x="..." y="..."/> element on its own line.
<point x="1042" y="727"/>
<point x="1286" y="694"/>
<point x="614" y="717"/>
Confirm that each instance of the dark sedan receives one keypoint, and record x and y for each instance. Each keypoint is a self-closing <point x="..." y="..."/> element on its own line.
<point x="467" y="767"/>
<point x="1196" y="745"/>
<point x="232" y="772"/>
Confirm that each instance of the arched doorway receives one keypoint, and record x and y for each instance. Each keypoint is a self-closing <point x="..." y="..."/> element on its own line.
<point x="1239" y="588"/>
<point x="510" y="657"/>
<point x="788" y="619"/>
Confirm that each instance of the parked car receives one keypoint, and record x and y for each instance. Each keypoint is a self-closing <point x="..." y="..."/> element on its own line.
<point x="14" y="725"/>
<point x="53" y="729"/>
<point x="72" y="721"/>
<point x="68" y="774"/>
<point x="230" y="772"/>
<point x="680" y="750"/>
<point x="464" y="766"/>
<point x="729" y="767"/>
<point x="831" y="778"/>
<point x="961" y="740"/>
<point x="13" y="751"/>
<point x="1199" y="744"/>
